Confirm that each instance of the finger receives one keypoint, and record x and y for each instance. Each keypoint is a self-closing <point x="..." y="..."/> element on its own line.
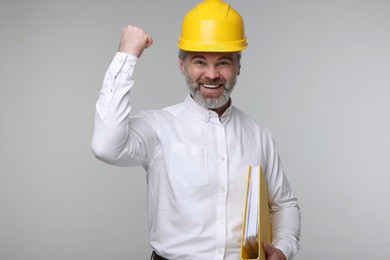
<point x="149" y="41"/>
<point x="269" y="249"/>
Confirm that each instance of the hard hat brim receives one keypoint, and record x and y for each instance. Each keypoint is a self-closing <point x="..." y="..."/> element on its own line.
<point x="212" y="46"/>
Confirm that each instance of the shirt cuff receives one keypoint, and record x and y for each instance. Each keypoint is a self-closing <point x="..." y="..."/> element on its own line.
<point x="288" y="249"/>
<point x="122" y="62"/>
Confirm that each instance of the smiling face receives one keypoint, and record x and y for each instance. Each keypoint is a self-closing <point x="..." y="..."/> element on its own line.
<point x="211" y="77"/>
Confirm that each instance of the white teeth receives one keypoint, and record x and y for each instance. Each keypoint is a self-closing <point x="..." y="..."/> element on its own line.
<point x="210" y="86"/>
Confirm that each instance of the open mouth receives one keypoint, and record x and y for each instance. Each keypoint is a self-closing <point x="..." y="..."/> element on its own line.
<point x="212" y="90"/>
<point x="208" y="86"/>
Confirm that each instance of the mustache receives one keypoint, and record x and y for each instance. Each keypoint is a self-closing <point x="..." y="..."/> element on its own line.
<point x="212" y="82"/>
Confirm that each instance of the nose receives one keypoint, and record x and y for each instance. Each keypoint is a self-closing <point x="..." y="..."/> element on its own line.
<point x="212" y="72"/>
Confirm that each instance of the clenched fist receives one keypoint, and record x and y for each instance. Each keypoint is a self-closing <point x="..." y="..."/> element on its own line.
<point x="134" y="41"/>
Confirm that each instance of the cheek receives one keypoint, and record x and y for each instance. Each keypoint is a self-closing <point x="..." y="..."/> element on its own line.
<point x="229" y="76"/>
<point x="193" y="75"/>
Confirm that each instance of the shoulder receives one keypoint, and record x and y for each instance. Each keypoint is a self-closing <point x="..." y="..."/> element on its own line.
<point x="155" y="115"/>
<point x="174" y="109"/>
<point x="248" y="121"/>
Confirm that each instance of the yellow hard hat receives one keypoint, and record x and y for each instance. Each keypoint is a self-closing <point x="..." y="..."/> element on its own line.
<point x="212" y="26"/>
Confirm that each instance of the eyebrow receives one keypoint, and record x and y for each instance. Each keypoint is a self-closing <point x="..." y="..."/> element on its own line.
<point x="203" y="58"/>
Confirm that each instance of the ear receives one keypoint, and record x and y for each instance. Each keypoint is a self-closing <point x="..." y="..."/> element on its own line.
<point x="239" y="69"/>
<point x="181" y="66"/>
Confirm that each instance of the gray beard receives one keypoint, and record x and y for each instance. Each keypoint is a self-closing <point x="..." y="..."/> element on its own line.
<point x="209" y="102"/>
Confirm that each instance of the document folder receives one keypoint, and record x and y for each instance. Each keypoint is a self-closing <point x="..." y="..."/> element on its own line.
<point x="256" y="227"/>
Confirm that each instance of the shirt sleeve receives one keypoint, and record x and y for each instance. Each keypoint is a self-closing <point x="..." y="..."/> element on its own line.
<point x="284" y="208"/>
<point x="117" y="140"/>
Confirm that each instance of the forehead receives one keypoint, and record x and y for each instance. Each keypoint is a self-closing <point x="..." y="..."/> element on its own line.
<point x="212" y="55"/>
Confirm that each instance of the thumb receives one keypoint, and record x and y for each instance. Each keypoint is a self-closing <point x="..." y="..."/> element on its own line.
<point x="149" y="41"/>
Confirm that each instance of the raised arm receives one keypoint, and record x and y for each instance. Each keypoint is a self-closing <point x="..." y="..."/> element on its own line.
<point x="116" y="140"/>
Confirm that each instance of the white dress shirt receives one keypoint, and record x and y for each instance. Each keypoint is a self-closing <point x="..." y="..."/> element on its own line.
<point x="196" y="167"/>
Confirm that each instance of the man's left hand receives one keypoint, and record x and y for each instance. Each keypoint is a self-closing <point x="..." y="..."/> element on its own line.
<point x="273" y="253"/>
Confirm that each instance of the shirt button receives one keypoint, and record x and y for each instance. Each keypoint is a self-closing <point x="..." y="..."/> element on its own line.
<point x="223" y="158"/>
<point x="220" y="251"/>
<point x="222" y="221"/>
<point x="222" y="190"/>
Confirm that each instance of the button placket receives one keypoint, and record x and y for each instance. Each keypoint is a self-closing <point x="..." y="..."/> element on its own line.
<point x="222" y="194"/>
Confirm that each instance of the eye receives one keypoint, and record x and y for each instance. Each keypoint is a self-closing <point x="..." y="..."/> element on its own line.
<point x="199" y="62"/>
<point x="224" y="63"/>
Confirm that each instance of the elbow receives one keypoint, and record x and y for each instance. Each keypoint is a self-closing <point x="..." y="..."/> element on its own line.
<point x="101" y="152"/>
<point x="98" y="151"/>
<point x="108" y="154"/>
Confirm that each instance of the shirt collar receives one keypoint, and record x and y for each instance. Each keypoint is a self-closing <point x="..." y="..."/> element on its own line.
<point x="205" y="113"/>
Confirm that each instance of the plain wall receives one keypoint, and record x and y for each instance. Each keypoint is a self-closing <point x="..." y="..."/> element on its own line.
<point x="317" y="73"/>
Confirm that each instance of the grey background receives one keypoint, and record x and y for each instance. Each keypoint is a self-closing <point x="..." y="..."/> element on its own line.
<point x="315" y="72"/>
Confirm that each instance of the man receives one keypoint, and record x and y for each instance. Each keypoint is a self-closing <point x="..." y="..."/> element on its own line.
<point x="196" y="153"/>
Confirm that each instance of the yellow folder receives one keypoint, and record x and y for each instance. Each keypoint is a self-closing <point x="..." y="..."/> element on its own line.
<point x="256" y="227"/>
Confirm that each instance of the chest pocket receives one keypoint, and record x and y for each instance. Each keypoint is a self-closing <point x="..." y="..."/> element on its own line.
<point x="188" y="165"/>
